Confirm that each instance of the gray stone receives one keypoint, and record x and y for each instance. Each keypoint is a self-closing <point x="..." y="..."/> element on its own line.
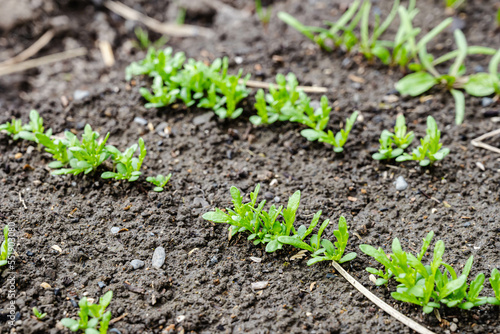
<point x="199" y="202"/>
<point x="453" y="327"/>
<point x="102" y="285"/>
<point x="204" y="118"/>
<point x="140" y="121"/>
<point x="400" y="183"/>
<point x="115" y="230"/>
<point x="136" y="264"/>
<point x="80" y="94"/>
<point x="486" y="101"/>
<point x="158" y="257"/>
<point x="277" y="199"/>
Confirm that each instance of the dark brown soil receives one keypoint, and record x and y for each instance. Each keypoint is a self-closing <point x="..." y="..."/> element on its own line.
<point x="205" y="284"/>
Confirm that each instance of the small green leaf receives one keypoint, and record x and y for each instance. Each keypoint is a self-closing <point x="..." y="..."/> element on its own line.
<point x="415" y="84"/>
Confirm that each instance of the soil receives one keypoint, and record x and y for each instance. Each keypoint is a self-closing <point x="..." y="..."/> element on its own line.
<point x="205" y="284"/>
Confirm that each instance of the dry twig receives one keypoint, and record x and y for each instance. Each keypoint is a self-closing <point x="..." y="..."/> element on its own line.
<point x="171" y="29"/>
<point x="42" y="61"/>
<point x="478" y="141"/>
<point x="265" y="85"/>
<point x="32" y="50"/>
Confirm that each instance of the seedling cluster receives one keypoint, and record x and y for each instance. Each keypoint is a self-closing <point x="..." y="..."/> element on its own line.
<point x="352" y="30"/>
<point x="275" y="227"/>
<point x="98" y="316"/>
<point x="74" y="156"/>
<point x="429" y="151"/>
<point x="427" y="285"/>
<point x="286" y="102"/>
<point x="209" y="86"/>
<point x="191" y="81"/>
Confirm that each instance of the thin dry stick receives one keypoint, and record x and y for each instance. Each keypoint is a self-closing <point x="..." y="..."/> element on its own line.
<point x="380" y="303"/>
<point x="222" y="7"/>
<point x="478" y="141"/>
<point x="42" y="61"/>
<point x="265" y="85"/>
<point x="171" y="29"/>
<point x="107" y="53"/>
<point x="118" y="318"/>
<point x="32" y="50"/>
<point x="22" y="200"/>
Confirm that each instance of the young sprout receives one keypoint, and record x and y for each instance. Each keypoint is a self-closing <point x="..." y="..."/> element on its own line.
<point x="419" y="82"/>
<point x="495" y="285"/>
<point x="484" y="84"/>
<point x="159" y="181"/>
<point x="420" y="283"/>
<point x="400" y="137"/>
<point x="263" y="15"/>
<point x="338" y="141"/>
<point x="87" y="154"/>
<point x="98" y="315"/>
<point x="429" y="150"/>
<point x="127" y="166"/>
<point x="143" y="42"/>
<point x="39" y="315"/>
<point x="386" y="151"/>
<point x="12" y="128"/>
<point x="328" y="251"/>
<point x="5" y="250"/>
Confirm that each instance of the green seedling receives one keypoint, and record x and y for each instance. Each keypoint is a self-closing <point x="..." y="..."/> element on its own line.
<point x="127" y="166"/>
<point x="181" y="16"/>
<point x="328" y="251"/>
<point x="87" y="154"/>
<point x="419" y="82"/>
<point x="13" y="128"/>
<point x="265" y="227"/>
<point x="495" y="284"/>
<point x="337" y="141"/>
<point x="34" y="127"/>
<point x="370" y="46"/>
<point x="420" y="283"/>
<point x="160" y="63"/>
<point x="340" y="33"/>
<point x="39" y="315"/>
<point x="159" y="181"/>
<point x="97" y="312"/>
<point x="430" y="149"/>
<point x="5" y="250"/>
<point x="284" y="95"/>
<point x="58" y="148"/>
<point x="484" y="84"/>
<point x="264" y="15"/>
<point x="401" y="138"/>
<point x="143" y="41"/>
<point x="386" y="150"/>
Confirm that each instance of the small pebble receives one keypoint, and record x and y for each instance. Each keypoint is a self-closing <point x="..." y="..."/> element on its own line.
<point x="453" y="327"/>
<point x="80" y="94"/>
<point x="57" y="292"/>
<point x="74" y="303"/>
<point x="478" y="69"/>
<point x="115" y="230"/>
<point x="204" y="118"/>
<point x="330" y="275"/>
<point x="268" y="195"/>
<point x="400" y="183"/>
<point x="30" y="253"/>
<point x="486" y="101"/>
<point x="140" y="121"/>
<point x="102" y="285"/>
<point x="158" y="257"/>
<point x="199" y="202"/>
<point x="277" y="199"/>
<point x="136" y="264"/>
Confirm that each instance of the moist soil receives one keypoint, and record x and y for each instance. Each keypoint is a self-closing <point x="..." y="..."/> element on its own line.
<point x="205" y="284"/>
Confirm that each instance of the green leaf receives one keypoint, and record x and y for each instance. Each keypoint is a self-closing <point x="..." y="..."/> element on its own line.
<point x="459" y="105"/>
<point x="480" y="84"/>
<point x="217" y="217"/>
<point x="415" y="84"/>
<point x="348" y="257"/>
<point x="295" y="242"/>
